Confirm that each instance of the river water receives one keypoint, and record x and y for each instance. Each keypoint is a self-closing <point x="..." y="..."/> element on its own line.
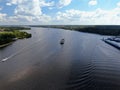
<point x="83" y="62"/>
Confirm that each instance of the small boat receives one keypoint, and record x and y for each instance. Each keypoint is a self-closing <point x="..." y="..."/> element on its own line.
<point x="62" y="41"/>
<point x="4" y="59"/>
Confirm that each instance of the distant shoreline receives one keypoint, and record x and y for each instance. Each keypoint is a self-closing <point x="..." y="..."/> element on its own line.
<point x="112" y="30"/>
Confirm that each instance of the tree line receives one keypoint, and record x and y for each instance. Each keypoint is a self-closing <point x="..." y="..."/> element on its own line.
<point x="9" y="35"/>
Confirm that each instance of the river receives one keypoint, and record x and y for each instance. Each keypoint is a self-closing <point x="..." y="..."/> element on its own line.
<point x="83" y="62"/>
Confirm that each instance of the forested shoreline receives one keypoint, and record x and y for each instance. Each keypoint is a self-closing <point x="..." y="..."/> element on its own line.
<point x="9" y="34"/>
<point x="96" y="29"/>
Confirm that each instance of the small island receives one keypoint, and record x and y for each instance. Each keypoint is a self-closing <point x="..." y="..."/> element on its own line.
<point x="9" y="34"/>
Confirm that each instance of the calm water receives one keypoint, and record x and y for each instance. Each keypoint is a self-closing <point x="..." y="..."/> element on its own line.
<point x="84" y="62"/>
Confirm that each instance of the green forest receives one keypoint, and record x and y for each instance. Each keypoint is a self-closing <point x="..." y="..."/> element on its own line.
<point x="9" y="35"/>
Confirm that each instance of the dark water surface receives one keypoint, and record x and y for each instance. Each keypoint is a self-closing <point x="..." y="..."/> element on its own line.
<point x="84" y="62"/>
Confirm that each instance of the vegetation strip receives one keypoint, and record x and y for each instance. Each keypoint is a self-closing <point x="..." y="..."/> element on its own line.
<point x="8" y="35"/>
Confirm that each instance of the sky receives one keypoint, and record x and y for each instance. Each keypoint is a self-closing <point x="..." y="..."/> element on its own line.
<point x="59" y="12"/>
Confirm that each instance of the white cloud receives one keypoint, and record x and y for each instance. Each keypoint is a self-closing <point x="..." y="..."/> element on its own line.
<point x="8" y="4"/>
<point x="41" y="2"/>
<point x="2" y="17"/>
<point x="73" y="16"/>
<point x="22" y="19"/>
<point x="118" y="4"/>
<point x="93" y="2"/>
<point x="98" y="16"/>
<point x="29" y="7"/>
<point x="29" y="11"/>
<point x="15" y="2"/>
<point x="63" y="3"/>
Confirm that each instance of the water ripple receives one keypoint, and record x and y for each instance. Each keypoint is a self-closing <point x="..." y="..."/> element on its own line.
<point x="80" y="77"/>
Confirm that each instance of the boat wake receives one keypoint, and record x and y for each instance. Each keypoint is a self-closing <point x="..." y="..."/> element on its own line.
<point x="5" y="59"/>
<point x="23" y="49"/>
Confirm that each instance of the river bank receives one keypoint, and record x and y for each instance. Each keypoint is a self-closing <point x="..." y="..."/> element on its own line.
<point x="4" y="45"/>
<point x="7" y="36"/>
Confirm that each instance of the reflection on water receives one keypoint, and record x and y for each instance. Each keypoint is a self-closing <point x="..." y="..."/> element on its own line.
<point x="83" y="62"/>
<point x="20" y="75"/>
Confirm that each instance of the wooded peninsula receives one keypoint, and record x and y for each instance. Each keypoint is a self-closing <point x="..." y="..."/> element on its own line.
<point x="9" y="34"/>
